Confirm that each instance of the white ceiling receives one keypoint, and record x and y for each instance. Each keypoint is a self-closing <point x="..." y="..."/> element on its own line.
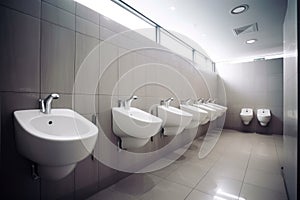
<point x="210" y="24"/>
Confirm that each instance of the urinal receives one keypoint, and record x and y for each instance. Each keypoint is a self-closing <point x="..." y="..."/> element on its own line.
<point x="263" y="116"/>
<point x="246" y="115"/>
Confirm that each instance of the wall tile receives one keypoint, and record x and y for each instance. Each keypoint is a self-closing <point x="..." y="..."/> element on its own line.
<point x="111" y="25"/>
<point x="57" y="59"/>
<point x="62" y="189"/>
<point x="58" y="16"/>
<point x="109" y="71"/>
<point x="18" y="184"/>
<point x="19" y="52"/>
<point x="86" y="27"/>
<point x="131" y="75"/>
<point x="30" y="7"/>
<point x="87" y="13"/>
<point x="86" y="104"/>
<point x="86" y="178"/>
<point x="106" y="34"/>
<point x="64" y="101"/>
<point x="68" y="5"/>
<point x="105" y="104"/>
<point x="87" y="64"/>
<point x="107" y="176"/>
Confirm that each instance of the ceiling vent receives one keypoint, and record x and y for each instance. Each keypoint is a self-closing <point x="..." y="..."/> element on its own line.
<point x="245" y="29"/>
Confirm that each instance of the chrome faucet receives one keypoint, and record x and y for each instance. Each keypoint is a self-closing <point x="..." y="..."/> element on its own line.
<point x="166" y="102"/>
<point x="201" y="100"/>
<point x="186" y="102"/>
<point x="46" y="103"/>
<point x="127" y="102"/>
<point x="209" y="100"/>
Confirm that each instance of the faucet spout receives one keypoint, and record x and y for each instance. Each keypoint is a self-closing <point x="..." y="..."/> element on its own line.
<point x="209" y="100"/>
<point x="127" y="102"/>
<point x="46" y="103"/>
<point x="201" y="100"/>
<point x="167" y="101"/>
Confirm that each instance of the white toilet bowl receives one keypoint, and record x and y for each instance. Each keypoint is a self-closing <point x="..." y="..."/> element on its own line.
<point x="263" y="116"/>
<point x="246" y="115"/>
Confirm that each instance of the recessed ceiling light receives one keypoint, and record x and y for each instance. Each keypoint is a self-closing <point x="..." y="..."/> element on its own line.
<point x="239" y="9"/>
<point x="251" y="41"/>
<point x="172" y="8"/>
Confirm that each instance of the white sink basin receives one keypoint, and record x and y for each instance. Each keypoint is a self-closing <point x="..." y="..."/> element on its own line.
<point x="134" y="126"/>
<point x="219" y="110"/>
<point x="224" y="108"/>
<point x="174" y="119"/>
<point x="56" y="141"/>
<point x="200" y="116"/>
<point x="212" y="113"/>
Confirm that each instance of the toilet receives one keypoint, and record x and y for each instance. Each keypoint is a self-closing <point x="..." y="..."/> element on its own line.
<point x="246" y="115"/>
<point x="263" y="116"/>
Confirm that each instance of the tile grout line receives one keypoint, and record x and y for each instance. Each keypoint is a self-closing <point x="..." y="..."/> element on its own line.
<point x="194" y="188"/>
<point x="281" y="168"/>
<point x="246" y="170"/>
<point x="73" y="93"/>
<point x="40" y="74"/>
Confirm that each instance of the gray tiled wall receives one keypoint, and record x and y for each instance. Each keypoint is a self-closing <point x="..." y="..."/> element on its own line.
<point x="254" y="85"/>
<point x="43" y="48"/>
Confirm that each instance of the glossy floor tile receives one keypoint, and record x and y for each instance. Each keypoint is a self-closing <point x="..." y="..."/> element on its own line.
<point x="241" y="166"/>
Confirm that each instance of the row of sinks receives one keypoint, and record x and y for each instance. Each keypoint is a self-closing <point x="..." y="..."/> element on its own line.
<point x="57" y="139"/>
<point x="135" y="127"/>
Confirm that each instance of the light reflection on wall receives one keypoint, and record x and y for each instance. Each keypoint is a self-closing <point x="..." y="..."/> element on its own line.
<point x="116" y="13"/>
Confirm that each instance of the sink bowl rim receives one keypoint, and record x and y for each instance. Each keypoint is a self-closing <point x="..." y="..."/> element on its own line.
<point x="125" y="112"/>
<point x="205" y="107"/>
<point x="176" y="111"/>
<point x="195" y="109"/>
<point x="35" y="113"/>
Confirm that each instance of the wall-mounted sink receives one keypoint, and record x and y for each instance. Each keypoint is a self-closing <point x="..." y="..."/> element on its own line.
<point x="200" y="116"/>
<point x="55" y="141"/>
<point x="219" y="110"/>
<point x="174" y="119"/>
<point x="219" y="106"/>
<point x="134" y="126"/>
<point x="212" y="113"/>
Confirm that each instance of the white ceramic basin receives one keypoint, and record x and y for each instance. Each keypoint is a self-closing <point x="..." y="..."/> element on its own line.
<point x="174" y="119"/>
<point x="219" y="110"/>
<point x="134" y="126"/>
<point x="200" y="116"/>
<point x="217" y="105"/>
<point x="223" y="108"/>
<point x="212" y="113"/>
<point x="56" y="141"/>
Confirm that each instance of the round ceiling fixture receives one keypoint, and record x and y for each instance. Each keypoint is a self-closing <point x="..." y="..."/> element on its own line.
<point x="251" y="41"/>
<point x="239" y="9"/>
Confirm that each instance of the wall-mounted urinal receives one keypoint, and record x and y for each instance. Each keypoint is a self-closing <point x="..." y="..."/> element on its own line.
<point x="246" y="115"/>
<point x="263" y="116"/>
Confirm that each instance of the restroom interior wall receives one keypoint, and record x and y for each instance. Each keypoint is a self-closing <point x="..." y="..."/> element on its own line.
<point x="290" y="106"/>
<point x="255" y="85"/>
<point x="43" y="50"/>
